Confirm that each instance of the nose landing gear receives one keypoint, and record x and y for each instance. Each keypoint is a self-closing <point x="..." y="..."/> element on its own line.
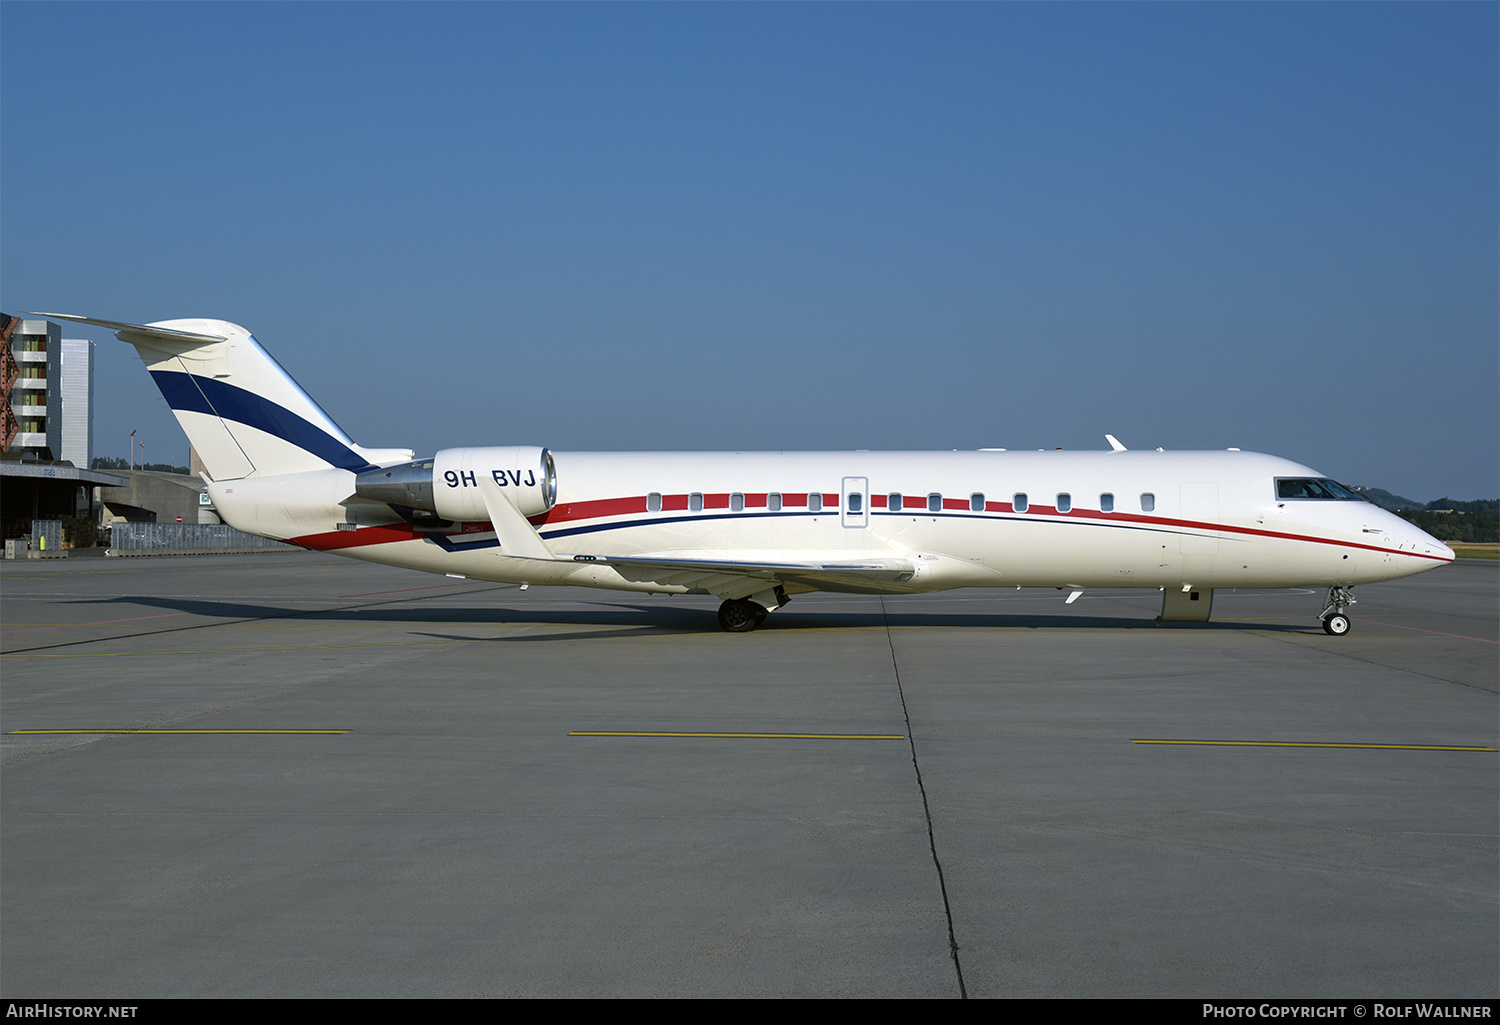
<point x="1335" y="623"/>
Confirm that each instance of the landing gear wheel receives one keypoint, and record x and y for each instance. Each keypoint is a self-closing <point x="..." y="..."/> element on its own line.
<point x="740" y="616"/>
<point x="1335" y="623"/>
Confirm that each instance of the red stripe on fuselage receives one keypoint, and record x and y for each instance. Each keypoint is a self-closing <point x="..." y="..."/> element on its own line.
<point x="336" y="539"/>
<point x="568" y="511"/>
<point x="573" y="512"/>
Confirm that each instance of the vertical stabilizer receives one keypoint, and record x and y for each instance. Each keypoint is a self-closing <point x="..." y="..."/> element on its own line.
<point x="242" y="412"/>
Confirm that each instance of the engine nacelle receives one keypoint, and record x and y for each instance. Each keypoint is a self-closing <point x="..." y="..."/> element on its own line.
<point x="447" y="485"/>
<point x="525" y="473"/>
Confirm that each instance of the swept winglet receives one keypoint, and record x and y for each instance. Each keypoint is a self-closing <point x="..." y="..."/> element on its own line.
<point x="1114" y="443"/>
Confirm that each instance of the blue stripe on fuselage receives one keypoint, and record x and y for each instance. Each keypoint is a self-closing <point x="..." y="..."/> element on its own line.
<point x="550" y="534"/>
<point x="216" y="398"/>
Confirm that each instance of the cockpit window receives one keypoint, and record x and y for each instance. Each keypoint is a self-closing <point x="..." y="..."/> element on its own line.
<point x="1317" y="488"/>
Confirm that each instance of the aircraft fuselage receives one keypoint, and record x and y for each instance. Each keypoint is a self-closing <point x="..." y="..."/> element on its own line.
<point x="1082" y="519"/>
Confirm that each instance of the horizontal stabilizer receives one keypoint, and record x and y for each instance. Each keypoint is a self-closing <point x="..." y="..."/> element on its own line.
<point x="144" y="331"/>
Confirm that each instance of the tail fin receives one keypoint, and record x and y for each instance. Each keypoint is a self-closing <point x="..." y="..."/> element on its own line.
<point x="242" y="412"/>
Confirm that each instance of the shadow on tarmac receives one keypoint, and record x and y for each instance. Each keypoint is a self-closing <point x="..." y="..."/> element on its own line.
<point x="663" y="618"/>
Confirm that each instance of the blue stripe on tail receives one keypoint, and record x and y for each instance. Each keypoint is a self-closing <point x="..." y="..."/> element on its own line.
<point x="216" y="398"/>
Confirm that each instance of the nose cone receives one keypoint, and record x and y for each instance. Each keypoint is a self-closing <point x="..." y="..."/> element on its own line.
<point x="1419" y="542"/>
<point x="1409" y="549"/>
<point x="1432" y="546"/>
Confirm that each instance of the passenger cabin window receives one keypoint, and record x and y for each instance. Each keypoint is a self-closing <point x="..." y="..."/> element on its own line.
<point x="976" y="502"/>
<point x="934" y="502"/>
<point x="856" y="502"/>
<point x="773" y="501"/>
<point x="653" y="502"/>
<point x="737" y="502"/>
<point x="893" y="501"/>
<point x="1317" y="488"/>
<point x="1148" y="502"/>
<point x="1064" y="502"/>
<point x="1106" y="502"/>
<point x="815" y="501"/>
<point x="1018" y="501"/>
<point x="695" y="502"/>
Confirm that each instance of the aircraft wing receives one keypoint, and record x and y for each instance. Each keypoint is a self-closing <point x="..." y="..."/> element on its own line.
<point x="726" y="575"/>
<point x="744" y="576"/>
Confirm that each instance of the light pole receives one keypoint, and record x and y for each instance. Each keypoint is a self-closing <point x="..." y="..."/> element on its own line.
<point x="132" y="448"/>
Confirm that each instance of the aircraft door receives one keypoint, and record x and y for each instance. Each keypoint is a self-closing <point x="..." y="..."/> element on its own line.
<point x="854" y="501"/>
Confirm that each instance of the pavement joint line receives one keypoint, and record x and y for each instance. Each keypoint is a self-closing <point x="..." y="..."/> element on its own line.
<point x="937" y="863"/>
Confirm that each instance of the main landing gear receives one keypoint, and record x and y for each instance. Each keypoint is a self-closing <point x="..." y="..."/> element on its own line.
<point x="741" y="615"/>
<point x="1335" y="623"/>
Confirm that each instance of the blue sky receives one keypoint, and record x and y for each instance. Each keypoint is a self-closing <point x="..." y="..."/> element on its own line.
<point x="778" y="226"/>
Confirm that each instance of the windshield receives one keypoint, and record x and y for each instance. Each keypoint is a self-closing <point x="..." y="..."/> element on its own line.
<point x="1316" y="488"/>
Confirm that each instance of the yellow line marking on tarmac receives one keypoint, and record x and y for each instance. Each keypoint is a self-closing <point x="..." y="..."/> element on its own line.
<point x="35" y="732"/>
<point x="758" y="736"/>
<point x="1300" y="743"/>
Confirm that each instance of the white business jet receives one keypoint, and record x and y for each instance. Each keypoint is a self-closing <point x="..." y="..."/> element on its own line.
<point x="754" y="528"/>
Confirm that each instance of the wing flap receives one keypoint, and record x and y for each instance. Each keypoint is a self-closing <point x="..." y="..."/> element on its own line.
<point x="738" y="577"/>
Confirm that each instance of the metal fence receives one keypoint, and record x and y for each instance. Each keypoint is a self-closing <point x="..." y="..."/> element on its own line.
<point x="187" y="539"/>
<point x="47" y="539"/>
